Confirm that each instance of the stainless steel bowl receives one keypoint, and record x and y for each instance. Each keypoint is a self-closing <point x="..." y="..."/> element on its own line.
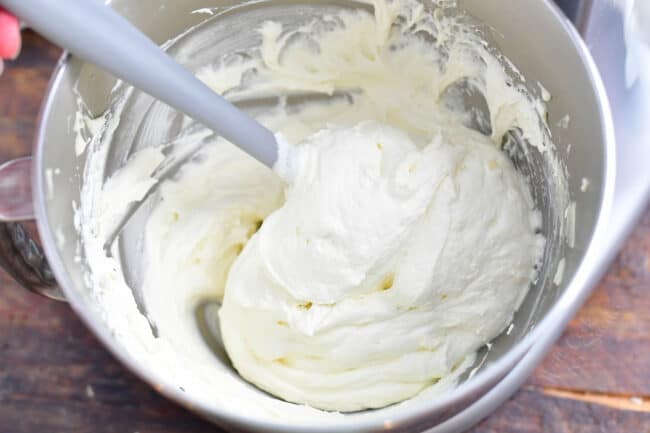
<point x="543" y="44"/>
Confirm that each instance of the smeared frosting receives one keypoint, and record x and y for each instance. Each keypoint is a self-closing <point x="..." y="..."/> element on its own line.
<point x="403" y="242"/>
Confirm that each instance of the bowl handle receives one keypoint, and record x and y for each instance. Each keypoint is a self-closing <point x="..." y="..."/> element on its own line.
<point x="20" y="255"/>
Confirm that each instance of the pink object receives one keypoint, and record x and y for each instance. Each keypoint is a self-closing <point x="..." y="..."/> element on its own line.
<point x="9" y="35"/>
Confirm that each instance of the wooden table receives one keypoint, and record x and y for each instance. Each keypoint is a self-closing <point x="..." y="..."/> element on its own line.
<point x="56" y="377"/>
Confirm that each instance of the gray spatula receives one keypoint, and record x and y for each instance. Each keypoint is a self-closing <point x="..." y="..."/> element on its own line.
<point x="93" y="31"/>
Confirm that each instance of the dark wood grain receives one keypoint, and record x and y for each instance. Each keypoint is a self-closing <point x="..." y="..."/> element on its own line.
<point x="55" y="376"/>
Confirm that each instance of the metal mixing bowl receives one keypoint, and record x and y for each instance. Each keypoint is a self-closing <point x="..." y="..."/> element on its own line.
<point x="532" y="33"/>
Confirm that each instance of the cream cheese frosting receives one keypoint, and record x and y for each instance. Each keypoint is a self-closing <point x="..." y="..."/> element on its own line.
<point x="403" y="241"/>
<point x="386" y="267"/>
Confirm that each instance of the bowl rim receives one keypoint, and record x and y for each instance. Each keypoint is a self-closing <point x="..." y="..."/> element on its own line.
<point x="553" y="323"/>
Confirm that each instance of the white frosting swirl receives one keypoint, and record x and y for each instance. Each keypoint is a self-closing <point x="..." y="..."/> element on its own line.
<point x="387" y="266"/>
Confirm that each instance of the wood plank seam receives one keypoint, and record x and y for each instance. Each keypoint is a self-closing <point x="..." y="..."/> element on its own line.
<point x="628" y="402"/>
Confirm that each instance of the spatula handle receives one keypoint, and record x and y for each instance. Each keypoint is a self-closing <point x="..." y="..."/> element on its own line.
<point x="96" y="33"/>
